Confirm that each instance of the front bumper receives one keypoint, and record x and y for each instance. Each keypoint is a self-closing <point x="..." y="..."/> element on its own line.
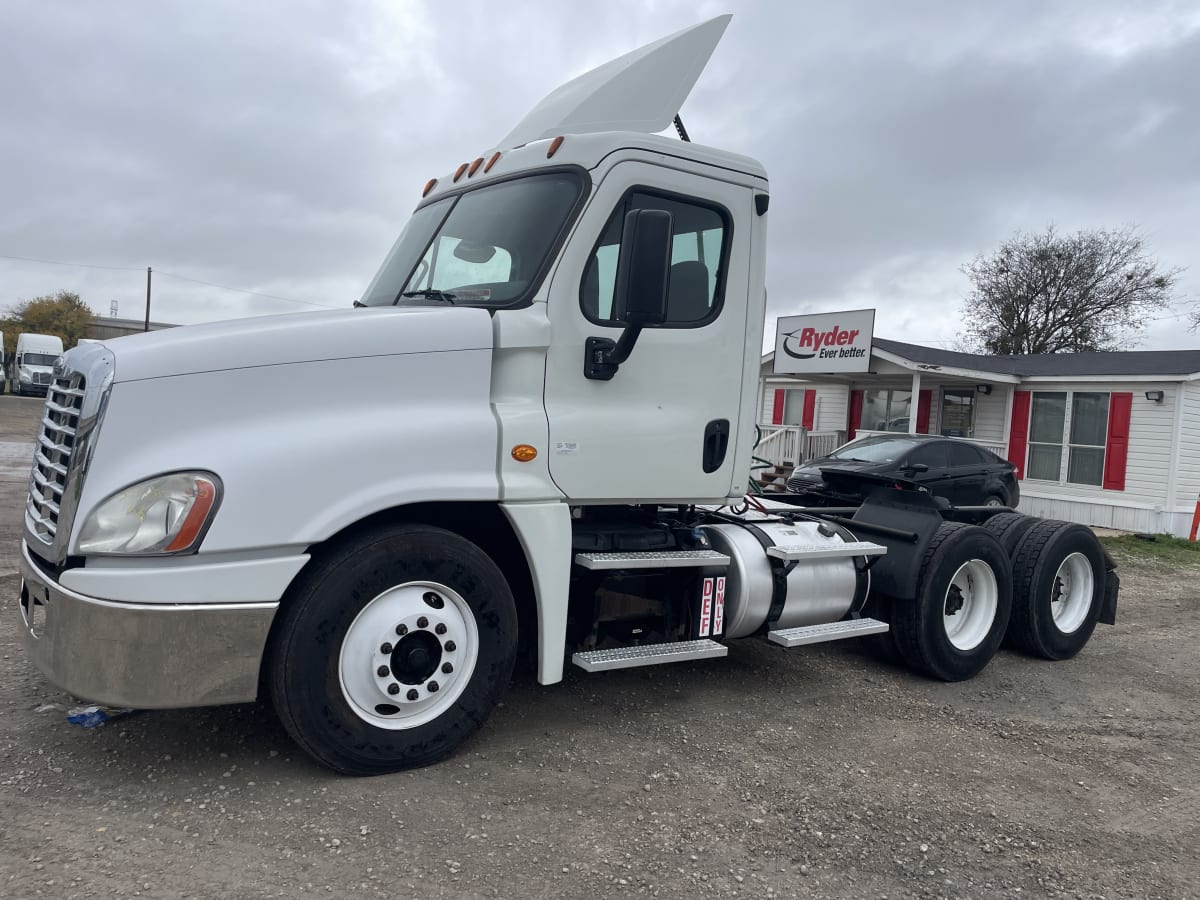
<point x="142" y="655"/>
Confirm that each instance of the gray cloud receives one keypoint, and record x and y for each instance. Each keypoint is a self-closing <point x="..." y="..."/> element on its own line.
<point x="279" y="147"/>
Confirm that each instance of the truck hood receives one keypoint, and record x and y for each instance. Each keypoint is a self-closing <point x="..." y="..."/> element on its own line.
<point x="300" y="338"/>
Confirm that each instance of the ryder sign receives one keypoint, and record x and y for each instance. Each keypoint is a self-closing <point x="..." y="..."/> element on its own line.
<point x="824" y="343"/>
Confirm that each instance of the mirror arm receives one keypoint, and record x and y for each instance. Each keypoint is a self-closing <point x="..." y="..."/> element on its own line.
<point x="603" y="356"/>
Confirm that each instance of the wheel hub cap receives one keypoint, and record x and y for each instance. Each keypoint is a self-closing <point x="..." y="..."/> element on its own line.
<point x="408" y="655"/>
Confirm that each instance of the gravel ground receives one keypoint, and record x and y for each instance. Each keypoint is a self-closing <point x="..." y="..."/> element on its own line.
<point x="819" y="772"/>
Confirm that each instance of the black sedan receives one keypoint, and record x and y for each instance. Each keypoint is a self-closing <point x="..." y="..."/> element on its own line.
<point x="959" y="471"/>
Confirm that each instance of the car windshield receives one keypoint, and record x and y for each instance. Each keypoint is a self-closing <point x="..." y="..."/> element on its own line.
<point x="38" y="359"/>
<point x="484" y="247"/>
<point x="874" y="449"/>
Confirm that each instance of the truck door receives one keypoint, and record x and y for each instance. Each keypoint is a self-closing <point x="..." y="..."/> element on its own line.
<point x="662" y="428"/>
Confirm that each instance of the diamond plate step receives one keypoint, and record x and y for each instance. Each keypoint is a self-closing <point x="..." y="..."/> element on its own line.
<point x="664" y="559"/>
<point x="833" y="631"/>
<point x="793" y="552"/>
<point x="647" y="655"/>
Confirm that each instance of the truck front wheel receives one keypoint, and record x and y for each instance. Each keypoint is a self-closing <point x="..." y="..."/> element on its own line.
<point x="393" y="650"/>
<point x="964" y="596"/>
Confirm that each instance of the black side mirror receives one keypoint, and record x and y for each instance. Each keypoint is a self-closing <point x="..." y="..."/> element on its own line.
<point x="641" y="289"/>
<point x="915" y="468"/>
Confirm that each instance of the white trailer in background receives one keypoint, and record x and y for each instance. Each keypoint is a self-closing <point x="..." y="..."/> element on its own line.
<point x="545" y="451"/>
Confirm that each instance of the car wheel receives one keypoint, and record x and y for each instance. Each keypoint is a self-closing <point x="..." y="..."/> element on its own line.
<point x="393" y="650"/>
<point x="1059" y="571"/>
<point x="994" y="500"/>
<point x="952" y="629"/>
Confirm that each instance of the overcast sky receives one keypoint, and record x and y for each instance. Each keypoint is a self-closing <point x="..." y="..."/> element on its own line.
<point x="279" y="147"/>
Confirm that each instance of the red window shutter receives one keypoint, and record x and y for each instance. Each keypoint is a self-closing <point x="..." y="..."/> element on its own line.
<point x="924" y="401"/>
<point x="810" y="409"/>
<point x="1117" y="450"/>
<point x="777" y="411"/>
<point x="856" y="404"/>
<point x="1018" y="434"/>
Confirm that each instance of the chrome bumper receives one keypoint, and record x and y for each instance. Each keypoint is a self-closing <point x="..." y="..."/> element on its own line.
<point x="142" y="655"/>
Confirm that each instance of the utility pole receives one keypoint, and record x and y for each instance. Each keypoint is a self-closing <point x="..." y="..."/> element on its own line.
<point x="147" y="328"/>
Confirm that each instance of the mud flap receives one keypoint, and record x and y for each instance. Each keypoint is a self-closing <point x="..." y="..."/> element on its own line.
<point x="1108" y="612"/>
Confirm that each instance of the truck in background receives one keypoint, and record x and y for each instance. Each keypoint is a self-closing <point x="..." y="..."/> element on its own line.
<point x="33" y="363"/>
<point x="547" y="452"/>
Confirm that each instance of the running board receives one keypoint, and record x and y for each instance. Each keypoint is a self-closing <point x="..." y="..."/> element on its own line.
<point x="794" y="552"/>
<point x="647" y="655"/>
<point x="662" y="559"/>
<point x="832" y="631"/>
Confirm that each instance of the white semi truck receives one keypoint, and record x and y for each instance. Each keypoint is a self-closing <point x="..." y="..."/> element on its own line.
<point x="33" y="362"/>
<point x="534" y="436"/>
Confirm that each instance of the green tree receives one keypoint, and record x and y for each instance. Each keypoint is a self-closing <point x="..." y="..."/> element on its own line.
<point x="1052" y="293"/>
<point x="63" y="313"/>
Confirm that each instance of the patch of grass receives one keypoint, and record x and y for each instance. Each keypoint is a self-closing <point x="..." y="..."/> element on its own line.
<point x="1163" y="548"/>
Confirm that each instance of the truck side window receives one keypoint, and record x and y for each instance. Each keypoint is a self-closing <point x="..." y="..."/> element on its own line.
<point x="700" y="238"/>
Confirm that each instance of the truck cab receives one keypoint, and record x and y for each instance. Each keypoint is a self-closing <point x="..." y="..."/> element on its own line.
<point x="531" y="437"/>
<point x="33" y="363"/>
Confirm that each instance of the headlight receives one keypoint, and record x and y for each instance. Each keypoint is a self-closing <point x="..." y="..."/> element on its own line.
<point x="23" y="375"/>
<point x="167" y="514"/>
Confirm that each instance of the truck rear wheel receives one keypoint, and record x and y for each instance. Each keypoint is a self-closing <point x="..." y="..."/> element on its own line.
<point x="964" y="594"/>
<point x="393" y="650"/>
<point x="1009" y="528"/>
<point x="1059" y="572"/>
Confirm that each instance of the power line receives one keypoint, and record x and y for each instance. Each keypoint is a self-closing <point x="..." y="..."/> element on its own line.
<point x="223" y="287"/>
<point x="241" y="290"/>
<point x="55" y="262"/>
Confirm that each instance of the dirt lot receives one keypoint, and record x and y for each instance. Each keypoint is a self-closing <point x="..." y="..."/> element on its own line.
<point x="819" y="772"/>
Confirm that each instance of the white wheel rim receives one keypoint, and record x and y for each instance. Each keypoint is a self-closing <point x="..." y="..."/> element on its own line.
<point x="1071" y="593"/>
<point x="394" y="659"/>
<point x="970" y="605"/>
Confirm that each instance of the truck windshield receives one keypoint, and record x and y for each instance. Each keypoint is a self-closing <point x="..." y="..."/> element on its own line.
<point x="38" y="359"/>
<point x="485" y="247"/>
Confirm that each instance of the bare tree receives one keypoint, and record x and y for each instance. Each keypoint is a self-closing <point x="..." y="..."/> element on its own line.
<point x="1052" y="293"/>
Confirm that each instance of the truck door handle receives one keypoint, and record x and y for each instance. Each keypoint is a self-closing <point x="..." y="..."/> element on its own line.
<point x="716" y="443"/>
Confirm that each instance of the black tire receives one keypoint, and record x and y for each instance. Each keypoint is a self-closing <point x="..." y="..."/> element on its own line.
<point x="1009" y="528"/>
<point x="957" y="554"/>
<point x="346" y="603"/>
<point x="1054" y="564"/>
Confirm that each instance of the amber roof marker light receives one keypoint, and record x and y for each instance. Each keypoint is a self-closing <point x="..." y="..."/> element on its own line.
<point x="554" y="145"/>
<point x="491" y="162"/>
<point x="458" y="173"/>
<point x="474" y="167"/>
<point x="429" y="186"/>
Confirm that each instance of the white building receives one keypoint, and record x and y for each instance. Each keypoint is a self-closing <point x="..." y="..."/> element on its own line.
<point x="1109" y="439"/>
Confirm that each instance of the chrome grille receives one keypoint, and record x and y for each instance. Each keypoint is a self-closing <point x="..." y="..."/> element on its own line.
<point x="52" y="457"/>
<point x="41" y="378"/>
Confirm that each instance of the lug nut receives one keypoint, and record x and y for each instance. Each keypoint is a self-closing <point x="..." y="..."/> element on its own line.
<point x="386" y="648"/>
<point x="413" y="694"/>
<point x="402" y="630"/>
<point x="382" y="671"/>
<point x="447" y="668"/>
<point x="434" y="600"/>
<point x="440" y="629"/>
<point x="433" y="687"/>
<point x="393" y="689"/>
<point x="422" y="622"/>
<point x="451" y="646"/>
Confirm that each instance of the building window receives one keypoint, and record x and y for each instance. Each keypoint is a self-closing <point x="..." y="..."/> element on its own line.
<point x="958" y="413"/>
<point x="1076" y="422"/>
<point x="886" y="410"/>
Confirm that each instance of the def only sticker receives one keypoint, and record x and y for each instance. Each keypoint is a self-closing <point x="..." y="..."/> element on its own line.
<point x="712" y="607"/>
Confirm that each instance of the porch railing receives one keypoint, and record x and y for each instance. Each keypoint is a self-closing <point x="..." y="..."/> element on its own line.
<point x="790" y="443"/>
